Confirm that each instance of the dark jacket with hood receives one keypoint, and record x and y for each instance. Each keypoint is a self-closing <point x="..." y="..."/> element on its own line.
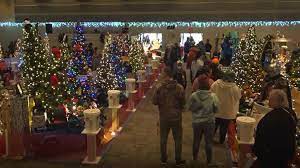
<point x="170" y="98"/>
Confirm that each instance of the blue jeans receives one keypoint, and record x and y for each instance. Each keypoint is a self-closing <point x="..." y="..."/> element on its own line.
<point x="206" y="128"/>
<point x="165" y="127"/>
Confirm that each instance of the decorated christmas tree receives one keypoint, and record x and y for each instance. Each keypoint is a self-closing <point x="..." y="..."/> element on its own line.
<point x="136" y="55"/>
<point x="79" y="70"/>
<point x="58" y="57"/>
<point x="106" y="78"/>
<point x="119" y="50"/>
<point x="247" y="62"/>
<point x="36" y="67"/>
<point x="295" y="71"/>
<point x="105" y="74"/>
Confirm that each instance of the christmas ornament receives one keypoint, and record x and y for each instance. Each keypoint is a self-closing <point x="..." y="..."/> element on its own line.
<point x="78" y="48"/>
<point x="56" y="52"/>
<point x="54" y="80"/>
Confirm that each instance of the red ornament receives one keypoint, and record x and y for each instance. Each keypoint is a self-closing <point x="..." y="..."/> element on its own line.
<point x="75" y="100"/>
<point x="54" y="80"/>
<point x="62" y="107"/>
<point x="78" y="48"/>
<point x="56" y="52"/>
<point x="3" y="66"/>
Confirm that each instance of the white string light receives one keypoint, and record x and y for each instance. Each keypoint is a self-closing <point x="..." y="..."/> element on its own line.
<point x="163" y="24"/>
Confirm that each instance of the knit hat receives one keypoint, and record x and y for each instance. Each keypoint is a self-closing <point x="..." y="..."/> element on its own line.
<point x="228" y="76"/>
<point x="203" y="82"/>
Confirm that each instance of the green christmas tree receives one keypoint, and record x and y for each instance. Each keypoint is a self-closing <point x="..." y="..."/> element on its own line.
<point x="136" y="55"/>
<point x="247" y="62"/>
<point x="36" y="66"/>
<point x="106" y="79"/>
<point x="58" y="57"/>
<point x="295" y="72"/>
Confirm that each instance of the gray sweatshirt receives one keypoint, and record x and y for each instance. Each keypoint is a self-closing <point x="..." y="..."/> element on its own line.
<point x="203" y="104"/>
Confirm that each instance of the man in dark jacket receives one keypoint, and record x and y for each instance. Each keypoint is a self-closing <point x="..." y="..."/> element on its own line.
<point x="170" y="98"/>
<point x="275" y="140"/>
<point x="174" y="57"/>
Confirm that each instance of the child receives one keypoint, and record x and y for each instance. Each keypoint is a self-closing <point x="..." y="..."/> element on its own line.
<point x="203" y="104"/>
<point x="180" y="75"/>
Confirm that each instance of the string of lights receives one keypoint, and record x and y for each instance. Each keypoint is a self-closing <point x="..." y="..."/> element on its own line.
<point x="246" y="63"/>
<point x="136" y="55"/>
<point x="162" y="24"/>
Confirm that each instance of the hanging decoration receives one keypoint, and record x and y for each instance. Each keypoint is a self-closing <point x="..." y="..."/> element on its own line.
<point x="163" y="24"/>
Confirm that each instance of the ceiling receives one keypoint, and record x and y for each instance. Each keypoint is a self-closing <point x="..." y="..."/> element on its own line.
<point x="156" y="10"/>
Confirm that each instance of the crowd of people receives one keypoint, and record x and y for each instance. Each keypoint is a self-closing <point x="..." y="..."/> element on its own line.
<point x="214" y="104"/>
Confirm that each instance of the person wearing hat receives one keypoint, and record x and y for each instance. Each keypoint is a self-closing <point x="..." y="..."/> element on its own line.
<point x="180" y="75"/>
<point x="203" y="71"/>
<point x="229" y="95"/>
<point x="203" y="104"/>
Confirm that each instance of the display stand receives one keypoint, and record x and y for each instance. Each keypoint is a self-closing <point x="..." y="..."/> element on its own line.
<point x="155" y="65"/>
<point x="141" y="89"/>
<point x="91" y="157"/>
<point x="130" y="88"/>
<point x="91" y="130"/>
<point x="149" y="75"/>
<point x="245" y="138"/>
<point x="131" y="104"/>
<point x="245" y="150"/>
<point x="114" y="106"/>
<point x="141" y="81"/>
<point x="115" y="120"/>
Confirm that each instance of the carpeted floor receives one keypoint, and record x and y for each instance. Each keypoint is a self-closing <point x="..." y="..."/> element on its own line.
<point x="138" y="145"/>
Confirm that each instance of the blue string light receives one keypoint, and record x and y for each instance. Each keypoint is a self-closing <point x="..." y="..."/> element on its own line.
<point x="163" y="24"/>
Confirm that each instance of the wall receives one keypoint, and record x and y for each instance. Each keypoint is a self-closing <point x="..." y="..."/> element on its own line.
<point x="7" y="10"/>
<point x="157" y="10"/>
<point x="169" y="36"/>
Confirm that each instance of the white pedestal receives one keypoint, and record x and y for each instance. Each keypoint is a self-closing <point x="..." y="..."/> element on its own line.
<point x="149" y="79"/>
<point x="131" y="103"/>
<point x="115" y="117"/>
<point x="141" y="89"/>
<point x="91" y="157"/>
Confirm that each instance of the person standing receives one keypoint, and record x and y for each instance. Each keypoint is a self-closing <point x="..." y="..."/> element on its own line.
<point x="275" y="139"/>
<point x="186" y="49"/>
<point x="174" y="57"/>
<point x="203" y="71"/>
<point x="208" y="46"/>
<point x="170" y="99"/>
<point x="180" y="75"/>
<point x="203" y="104"/>
<point x="229" y="95"/>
